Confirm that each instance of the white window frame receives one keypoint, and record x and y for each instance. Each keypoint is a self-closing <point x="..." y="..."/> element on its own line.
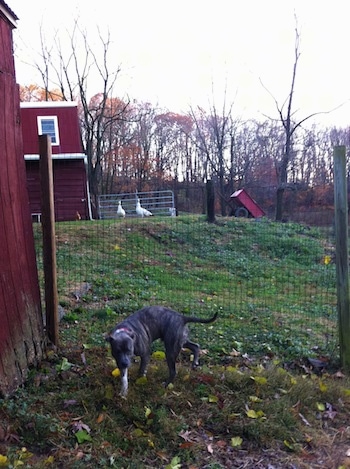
<point x="55" y="123"/>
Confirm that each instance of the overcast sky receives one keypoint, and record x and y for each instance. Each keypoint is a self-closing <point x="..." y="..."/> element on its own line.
<point x="177" y="54"/>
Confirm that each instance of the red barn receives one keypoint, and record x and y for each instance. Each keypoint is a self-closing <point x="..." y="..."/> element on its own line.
<point x="21" y="325"/>
<point x="59" y="119"/>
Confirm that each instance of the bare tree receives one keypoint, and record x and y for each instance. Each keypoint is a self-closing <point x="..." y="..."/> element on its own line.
<point x="69" y="69"/>
<point x="214" y="140"/>
<point x="290" y="126"/>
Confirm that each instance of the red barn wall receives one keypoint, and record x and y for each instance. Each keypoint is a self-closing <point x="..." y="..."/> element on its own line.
<point x="68" y="125"/>
<point x="70" y="188"/>
<point x="21" y="327"/>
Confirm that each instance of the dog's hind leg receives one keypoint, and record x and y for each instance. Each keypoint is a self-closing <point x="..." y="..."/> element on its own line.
<point x="195" y="349"/>
<point x="171" y="356"/>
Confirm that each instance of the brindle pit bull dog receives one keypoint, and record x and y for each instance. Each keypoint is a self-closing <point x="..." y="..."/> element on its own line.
<point x="135" y="334"/>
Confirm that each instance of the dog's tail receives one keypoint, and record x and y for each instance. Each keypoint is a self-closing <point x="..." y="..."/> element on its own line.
<point x="203" y="321"/>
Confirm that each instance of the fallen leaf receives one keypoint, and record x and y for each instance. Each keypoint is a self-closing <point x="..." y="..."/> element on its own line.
<point x="3" y="460"/>
<point x="186" y="445"/>
<point x="174" y="463"/>
<point x="116" y="372"/>
<point x="255" y="399"/>
<point x="304" y="420"/>
<point x="141" y="381"/>
<point x="323" y="386"/>
<point x="210" y="448"/>
<point x="252" y="414"/>
<point x="259" y="379"/>
<point x="320" y="406"/>
<point x="138" y="433"/>
<point x="100" y="418"/>
<point x="69" y="402"/>
<point x="64" y="365"/>
<point x="158" y="355"/>
<point x="79" y="425"/>
<point x="221" y="444"/>
<point x="339" y="375"/>
<point x="82" y="436"/>
<point x="236" y="441"/>
<point x="213" y="399"/>
<point x="289" y="445"/>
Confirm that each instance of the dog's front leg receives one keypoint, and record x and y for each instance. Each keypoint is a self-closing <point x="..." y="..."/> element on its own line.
<point x="124" y="377"/>
<point x="145" y="358"/>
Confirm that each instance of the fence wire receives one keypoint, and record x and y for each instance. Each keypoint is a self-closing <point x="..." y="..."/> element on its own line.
<point x="273" y="283"/>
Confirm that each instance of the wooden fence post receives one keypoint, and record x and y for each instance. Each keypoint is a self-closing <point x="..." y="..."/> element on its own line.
<point x="342" y="257"/>
<point x="49" y="241"/>
<point x="210" y="202"/>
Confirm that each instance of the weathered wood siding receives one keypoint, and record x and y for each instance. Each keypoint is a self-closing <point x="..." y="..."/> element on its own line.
<point x="21" y="328"/>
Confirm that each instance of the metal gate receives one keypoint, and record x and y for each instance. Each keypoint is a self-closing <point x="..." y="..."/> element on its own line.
<point x="159" y="203"/>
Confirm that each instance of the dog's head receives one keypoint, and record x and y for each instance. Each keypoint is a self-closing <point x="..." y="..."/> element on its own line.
<point x="122" y="346"/>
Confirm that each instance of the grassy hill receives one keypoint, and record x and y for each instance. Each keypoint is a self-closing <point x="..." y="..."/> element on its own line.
<point x="273" y="284"/>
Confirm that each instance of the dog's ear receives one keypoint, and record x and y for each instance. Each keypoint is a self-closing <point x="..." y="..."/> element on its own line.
<point x="108" y="338"/>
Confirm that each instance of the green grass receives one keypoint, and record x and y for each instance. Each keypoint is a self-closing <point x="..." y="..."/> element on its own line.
<point x="276" y="299"/>
<point x="268" y="281"/>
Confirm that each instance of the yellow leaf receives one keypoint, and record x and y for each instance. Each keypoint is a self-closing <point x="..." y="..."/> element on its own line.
<point x="158" y="355"/>
<point x="138" y="433"/>
<point x="320" y="406"/>
<point x="323" y="386"/>
<point x="236" y="441"/>
<point x="213" y="399"/>
<point x="117" y="247"/>
<point x="293" y="380"/>
<point x="150" y="443"/>
<point x="147" y="412"/>
<point x="17" y="463"/>
<point x="141" y="381"/>
<point x="116" y="372"/>
<point x="288" y="445"/>
<point x="252" y="414"/>
<point x="255" y="399"/>
<point x="49" y="460"/>
<point x="259" y="379"/>
<point x="327" y="260"/>
<point x="231" y="369"/>
<point x="3" y="460"/>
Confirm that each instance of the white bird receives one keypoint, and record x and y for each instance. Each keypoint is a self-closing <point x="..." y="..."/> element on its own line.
<point x="120" y="211"/>
<point x="142" y="212"/>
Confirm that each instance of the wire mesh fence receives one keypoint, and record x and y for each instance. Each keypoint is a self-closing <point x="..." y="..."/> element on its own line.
<point x="273" y="283"/>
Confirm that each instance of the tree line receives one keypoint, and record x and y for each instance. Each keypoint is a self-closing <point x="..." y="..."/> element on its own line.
<point x="134" y="145"/>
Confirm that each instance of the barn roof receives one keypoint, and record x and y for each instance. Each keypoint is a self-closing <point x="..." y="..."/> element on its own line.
<point x="7" y="13"/>
<point x="47" y="104"/>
